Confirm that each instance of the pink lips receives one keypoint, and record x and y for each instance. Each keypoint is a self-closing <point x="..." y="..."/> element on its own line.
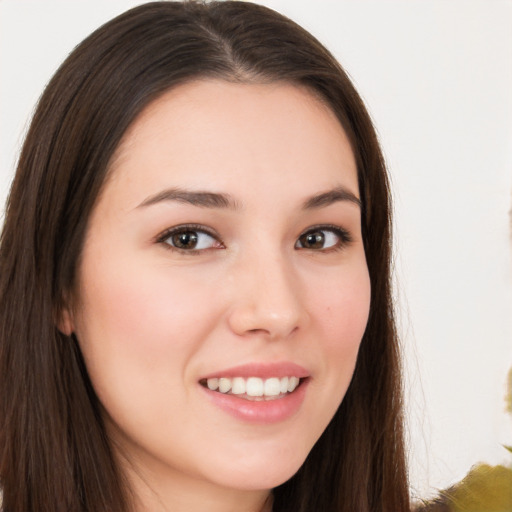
<point x="264" y="411"/>
<point x="264" y="371"/>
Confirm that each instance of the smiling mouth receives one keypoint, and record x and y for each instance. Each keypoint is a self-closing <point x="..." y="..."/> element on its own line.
<point x="254" y="388"/>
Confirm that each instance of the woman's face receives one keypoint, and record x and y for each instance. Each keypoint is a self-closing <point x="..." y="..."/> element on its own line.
<point x="225" y="250"/>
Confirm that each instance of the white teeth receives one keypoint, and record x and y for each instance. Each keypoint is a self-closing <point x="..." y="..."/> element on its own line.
<point x="293" y="382"/>
<point x="238" y="387"/>
<point x="254" y="386"/>
<point x="272" y="387"/>
<point x="212" y="384"/>
<point x="224" y="385"/>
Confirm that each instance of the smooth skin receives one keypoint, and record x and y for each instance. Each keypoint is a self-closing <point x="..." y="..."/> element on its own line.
<point x="265" y="274"/>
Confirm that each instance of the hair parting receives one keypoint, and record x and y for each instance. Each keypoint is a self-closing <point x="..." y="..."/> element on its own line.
<point x="54" y="450"/>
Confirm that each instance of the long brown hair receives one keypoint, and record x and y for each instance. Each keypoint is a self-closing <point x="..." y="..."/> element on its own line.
<point x="54" y="452"/>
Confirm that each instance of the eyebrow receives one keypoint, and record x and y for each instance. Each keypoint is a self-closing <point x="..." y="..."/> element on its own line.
<point x="206" y="199"/>
<point x="199" y="198"/>
<point x="330" y="197"/>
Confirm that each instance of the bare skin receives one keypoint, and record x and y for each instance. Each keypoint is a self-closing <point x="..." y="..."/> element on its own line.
<point x="228" y="235"/>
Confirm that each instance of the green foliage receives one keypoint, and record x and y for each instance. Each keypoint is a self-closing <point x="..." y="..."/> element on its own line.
<point x="484" y="489"/>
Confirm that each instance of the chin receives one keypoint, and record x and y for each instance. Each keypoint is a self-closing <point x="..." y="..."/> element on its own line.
<point x="267" y="474"/>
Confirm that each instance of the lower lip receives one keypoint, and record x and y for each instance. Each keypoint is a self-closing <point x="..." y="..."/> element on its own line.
<point x="262" y="411"/>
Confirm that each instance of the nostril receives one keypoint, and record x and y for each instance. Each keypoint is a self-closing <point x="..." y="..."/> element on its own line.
<point x="265" y="322"/>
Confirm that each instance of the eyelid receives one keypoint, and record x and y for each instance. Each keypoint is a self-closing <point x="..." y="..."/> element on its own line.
<point x="166" y="234"/>
<point x="343" y="234"/>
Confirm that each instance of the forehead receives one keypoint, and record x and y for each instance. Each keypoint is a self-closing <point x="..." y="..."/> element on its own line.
<point x="238" y="136"/>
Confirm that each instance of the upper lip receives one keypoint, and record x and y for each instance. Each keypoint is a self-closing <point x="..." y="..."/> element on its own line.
<point x="262" y="370"/>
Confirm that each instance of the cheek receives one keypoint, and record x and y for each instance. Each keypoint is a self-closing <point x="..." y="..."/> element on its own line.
<point x="141" y="310"/>
<point x="137" y="331"/>
<point x="342" y="313"/>
<point x="344" y="309"/>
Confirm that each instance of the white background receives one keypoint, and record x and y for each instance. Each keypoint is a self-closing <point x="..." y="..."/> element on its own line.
<point x="437" y="78"/>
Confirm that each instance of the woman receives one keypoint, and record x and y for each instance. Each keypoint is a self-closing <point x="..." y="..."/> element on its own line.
<point x="195" y="295"/>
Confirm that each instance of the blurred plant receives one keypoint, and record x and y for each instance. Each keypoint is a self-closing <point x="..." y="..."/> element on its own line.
<point x="484" y="489"/>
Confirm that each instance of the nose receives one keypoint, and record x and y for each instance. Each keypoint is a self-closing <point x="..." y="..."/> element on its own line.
<point x="266" y="299"/>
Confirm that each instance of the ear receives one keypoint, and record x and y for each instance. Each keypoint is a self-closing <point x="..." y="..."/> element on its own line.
<point x="65" y="322"/>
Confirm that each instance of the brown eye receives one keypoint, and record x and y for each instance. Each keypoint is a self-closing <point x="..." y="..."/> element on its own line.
<point x="312" y="240"/>
<point x="323" y="238"/>
<point x="184" y="240"/>
<point x="188" y="238"/>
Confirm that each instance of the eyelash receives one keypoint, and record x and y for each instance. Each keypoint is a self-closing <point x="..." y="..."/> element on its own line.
<point x="184" y="228"/>
<point x="342" y="234"/>
<point x="344" y="237"/>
